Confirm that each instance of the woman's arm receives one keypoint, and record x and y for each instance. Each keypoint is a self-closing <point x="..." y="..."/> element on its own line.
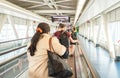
<point x="73" y="41"/>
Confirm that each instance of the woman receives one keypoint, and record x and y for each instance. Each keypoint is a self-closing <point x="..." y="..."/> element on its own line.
<point x="37" y="51"/>
<point x="74" y="37"/>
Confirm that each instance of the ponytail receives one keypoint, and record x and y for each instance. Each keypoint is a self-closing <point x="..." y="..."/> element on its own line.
<point x="34" y="41"/>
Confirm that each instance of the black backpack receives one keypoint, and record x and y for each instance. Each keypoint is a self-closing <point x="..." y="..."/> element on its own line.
<point x="64" y="40"/>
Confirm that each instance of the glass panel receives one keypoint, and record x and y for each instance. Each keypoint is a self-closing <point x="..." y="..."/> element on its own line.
<point x="21" y="30"/>
<point x="30" y="31"/>
<point x="7" y="33"/>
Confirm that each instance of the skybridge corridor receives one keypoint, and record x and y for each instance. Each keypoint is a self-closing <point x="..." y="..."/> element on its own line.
<point x="97" y="24"/>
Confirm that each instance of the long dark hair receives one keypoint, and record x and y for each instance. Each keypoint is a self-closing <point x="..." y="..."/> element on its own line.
<point x="41" y="28"/>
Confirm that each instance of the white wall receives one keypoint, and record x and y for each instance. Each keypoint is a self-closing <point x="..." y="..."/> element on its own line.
<point x="97" y="7"/>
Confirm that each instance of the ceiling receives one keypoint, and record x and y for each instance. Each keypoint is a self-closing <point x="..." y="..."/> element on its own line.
<point x="48" y="8"/>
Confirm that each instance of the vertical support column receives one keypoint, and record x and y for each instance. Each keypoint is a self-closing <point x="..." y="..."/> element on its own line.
<point x="94" y="33"/>
<point x="3" y="18"/>
<point x="108" y="36"/>
<point x="98" y="33"/>
<point x="34" y="30"/>
<point x="34" y="24"/>
<point x="28" y="25"/>
<point x="11" y="21"/>
<point x="91" y="30"/>
<point x="85" y="31"/>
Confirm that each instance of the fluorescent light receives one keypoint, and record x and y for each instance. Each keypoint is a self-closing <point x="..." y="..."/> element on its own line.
<point x="79" y="8"/>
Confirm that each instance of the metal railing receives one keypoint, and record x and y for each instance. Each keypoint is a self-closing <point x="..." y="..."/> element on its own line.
<point x="6" y="45"/>
<point x="84" y="68"/>
<point x="13" y="66"/>
<point x="15" y="40"/>
<point x="11" y="50"/>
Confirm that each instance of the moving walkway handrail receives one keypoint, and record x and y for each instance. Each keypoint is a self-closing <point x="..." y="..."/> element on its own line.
<point x="90" y="66"/>
<point x="11" y="50"/>
<point x="14" y="40"/>
<point x="13" y="58"/>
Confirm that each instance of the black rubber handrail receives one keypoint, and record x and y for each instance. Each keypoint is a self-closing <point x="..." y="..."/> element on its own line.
<point x="14" y="40"/>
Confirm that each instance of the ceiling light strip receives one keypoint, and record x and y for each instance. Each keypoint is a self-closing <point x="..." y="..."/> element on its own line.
<point x="79" y="8"/>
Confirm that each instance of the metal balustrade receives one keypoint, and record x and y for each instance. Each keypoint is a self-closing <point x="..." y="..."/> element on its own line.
<point x="6" y="45"/>
<point x="13" y="66"/>
<point x="84" y="68"/>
